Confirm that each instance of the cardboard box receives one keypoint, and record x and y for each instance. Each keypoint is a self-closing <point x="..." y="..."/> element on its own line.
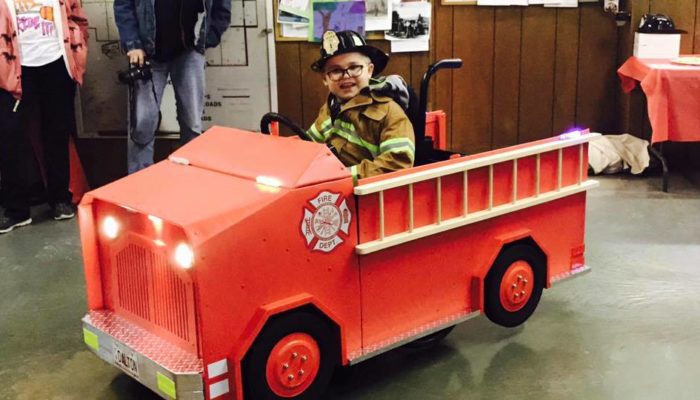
<point x="657" y="45"/>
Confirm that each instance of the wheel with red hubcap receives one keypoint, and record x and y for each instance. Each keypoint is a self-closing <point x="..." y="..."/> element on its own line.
<point x="292" y="358"/>
<point x="514" y="284"/>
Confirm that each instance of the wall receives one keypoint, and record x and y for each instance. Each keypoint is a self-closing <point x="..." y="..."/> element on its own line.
<point x="528" y="73"/>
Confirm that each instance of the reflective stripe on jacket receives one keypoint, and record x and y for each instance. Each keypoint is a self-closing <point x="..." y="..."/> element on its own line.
<point x="72" y="28"/>
<point x="371" y="134"/>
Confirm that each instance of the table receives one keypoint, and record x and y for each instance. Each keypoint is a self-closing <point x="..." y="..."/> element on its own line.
<point x="673" y="99"/>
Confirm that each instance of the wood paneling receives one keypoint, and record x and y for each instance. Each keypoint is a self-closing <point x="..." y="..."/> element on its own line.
<point x="537" y="72"/>
<point x="565" y="70"/>
<point x="683" y="14"/>
<point x="598" y="85"/>
<point x="472" y="88"/>
<point x="506" y="85"/>
<point x="631" y="107"/>
<point x="696" y="29"/>
<point x="314" y="93"/>
<point x="529" y="72"/>
<point x="442" y="45"/>
<point x="419" y="64"/>
<point x="399" y="63"/>
<point x="288" y="82"/>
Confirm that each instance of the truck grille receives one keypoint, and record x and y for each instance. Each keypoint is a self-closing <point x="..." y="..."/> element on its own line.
<point x="148" y="287"/>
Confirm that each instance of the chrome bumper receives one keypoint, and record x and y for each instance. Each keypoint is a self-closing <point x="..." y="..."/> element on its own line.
<point x="168" y="370"/>
<point x="576" y="272"/>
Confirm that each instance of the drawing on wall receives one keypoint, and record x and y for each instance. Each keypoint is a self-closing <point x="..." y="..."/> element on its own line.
<point x="378" y="15"/>
<point x="338" y="16"/>
<point x="410" y="26"/>
<point x="410" y="20"/>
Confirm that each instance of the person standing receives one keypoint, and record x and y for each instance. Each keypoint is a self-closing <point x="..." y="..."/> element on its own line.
<point x="43" y="54"/>
<point x="173" y="36"/>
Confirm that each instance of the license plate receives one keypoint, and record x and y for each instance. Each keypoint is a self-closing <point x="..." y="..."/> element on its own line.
<point x="126" y="359"/>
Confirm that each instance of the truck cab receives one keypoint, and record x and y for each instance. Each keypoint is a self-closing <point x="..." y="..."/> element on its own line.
<point x="249" y="266"/>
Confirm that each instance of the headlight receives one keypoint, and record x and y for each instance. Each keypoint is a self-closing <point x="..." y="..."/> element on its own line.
<point x="110" y="227"/>
<point x="184" y="256"/>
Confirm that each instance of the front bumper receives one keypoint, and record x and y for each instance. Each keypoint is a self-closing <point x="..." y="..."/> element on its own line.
<point x="168" y="370"/>
<point x="576" y="272"/>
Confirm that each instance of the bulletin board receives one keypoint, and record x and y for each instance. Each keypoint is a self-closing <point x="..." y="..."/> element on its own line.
<point x="373" y="35"/>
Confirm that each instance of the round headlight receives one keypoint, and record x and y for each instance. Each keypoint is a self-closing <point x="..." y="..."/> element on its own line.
<point x="110" y="227"/>
<point x="184" y="256"/>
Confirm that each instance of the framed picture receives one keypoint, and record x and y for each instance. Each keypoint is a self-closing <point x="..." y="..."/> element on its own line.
<point x="338" y="15"/>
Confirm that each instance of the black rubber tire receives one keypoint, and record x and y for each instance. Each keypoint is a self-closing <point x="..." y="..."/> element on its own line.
<point x="493" y="308"/>
<point x="255" y="383"/>
<point x="430" y="340"/>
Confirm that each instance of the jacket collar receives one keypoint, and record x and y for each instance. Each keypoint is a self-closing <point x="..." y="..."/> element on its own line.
<point x="365" y="98"/>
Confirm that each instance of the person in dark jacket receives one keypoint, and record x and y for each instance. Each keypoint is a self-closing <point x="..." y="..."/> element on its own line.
<point x="173" y="36"/>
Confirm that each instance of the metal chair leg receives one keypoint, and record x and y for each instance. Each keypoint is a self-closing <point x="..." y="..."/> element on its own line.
<point x="659" y="155"/>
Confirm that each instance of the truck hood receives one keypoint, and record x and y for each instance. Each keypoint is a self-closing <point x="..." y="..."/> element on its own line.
<point x="249" y="155"/>
<point x="218" y="187"/>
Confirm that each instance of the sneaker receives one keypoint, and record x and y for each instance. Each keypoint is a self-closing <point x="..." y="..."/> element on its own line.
<point x="7" y="224"/>
<point x="63" y="211"/>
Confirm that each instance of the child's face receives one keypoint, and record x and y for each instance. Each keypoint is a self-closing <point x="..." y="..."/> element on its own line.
<point x="347" y="74"/>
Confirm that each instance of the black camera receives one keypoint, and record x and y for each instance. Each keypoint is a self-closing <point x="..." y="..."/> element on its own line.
<point x="135" y="73"/>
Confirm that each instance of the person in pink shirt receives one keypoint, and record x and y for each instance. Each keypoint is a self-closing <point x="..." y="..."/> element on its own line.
<point x="43" y="52"/>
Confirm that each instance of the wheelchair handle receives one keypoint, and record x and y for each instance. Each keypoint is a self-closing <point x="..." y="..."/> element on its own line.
<point x="271" y="116"/>
<point x="449" y="63"/>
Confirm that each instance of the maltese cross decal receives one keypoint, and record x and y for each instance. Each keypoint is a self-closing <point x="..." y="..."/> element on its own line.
<point x="323" y="222"/>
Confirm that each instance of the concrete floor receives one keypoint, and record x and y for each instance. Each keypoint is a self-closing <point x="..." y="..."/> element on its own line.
<point x="628" y="330"/>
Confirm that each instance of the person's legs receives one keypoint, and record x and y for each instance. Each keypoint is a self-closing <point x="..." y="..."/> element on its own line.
<point x="16" y="150"/>
<point x="56" y="101"/>
<point x="187" y="74"/>
<point x="148" y="95"/>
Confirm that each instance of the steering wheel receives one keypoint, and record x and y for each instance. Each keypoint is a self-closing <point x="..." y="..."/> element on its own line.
<point x="271" y="116"/>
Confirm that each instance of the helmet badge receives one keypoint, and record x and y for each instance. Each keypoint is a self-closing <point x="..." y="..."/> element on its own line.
<point x="330" y="42"/>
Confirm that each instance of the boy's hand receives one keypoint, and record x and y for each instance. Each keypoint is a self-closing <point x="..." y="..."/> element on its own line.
<point x="136" y="57"/>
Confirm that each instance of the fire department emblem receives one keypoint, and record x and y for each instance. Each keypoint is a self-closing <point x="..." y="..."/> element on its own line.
<point x="330" y="42"/>
<point x="322" y="223"/>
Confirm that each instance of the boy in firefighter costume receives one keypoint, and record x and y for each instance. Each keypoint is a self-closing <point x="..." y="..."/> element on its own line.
<point x="361" y="119"/>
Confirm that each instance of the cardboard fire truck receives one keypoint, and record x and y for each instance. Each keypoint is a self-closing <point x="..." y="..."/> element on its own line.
<point x="249" y="266"/>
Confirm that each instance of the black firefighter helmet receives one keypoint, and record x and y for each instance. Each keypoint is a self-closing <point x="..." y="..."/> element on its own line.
<point x="341" y="42"/>
<point x="657" y="23"/>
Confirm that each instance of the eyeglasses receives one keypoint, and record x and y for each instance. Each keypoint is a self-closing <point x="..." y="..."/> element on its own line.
<point x="337" y="74"/>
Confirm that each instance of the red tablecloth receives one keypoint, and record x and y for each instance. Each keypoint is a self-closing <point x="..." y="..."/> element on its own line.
<point x="673" y="97"/>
